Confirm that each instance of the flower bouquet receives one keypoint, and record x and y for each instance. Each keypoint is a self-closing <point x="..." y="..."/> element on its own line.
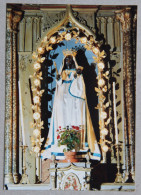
<point x="71" y="138"/>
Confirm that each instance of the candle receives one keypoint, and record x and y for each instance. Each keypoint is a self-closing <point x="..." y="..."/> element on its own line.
<point x="115" y="115"/>
<point x="21" y="114"/>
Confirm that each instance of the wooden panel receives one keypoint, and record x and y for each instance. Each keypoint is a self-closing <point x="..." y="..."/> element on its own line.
<point x="110" y="32"/>
<point x="117" y="35"/>
<point x="28" y="34"/>
<point x="34" y="24"/>
<point x="22" y="35"/>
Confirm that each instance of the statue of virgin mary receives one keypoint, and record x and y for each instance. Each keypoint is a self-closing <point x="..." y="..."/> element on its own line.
<point x="70" y="110"/>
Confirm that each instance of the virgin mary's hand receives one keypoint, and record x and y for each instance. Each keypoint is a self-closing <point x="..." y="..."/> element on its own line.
<point x="64" y="75"/>
<point x="78" y="71"/>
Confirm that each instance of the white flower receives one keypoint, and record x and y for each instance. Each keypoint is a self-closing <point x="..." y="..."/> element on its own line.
<point x="103" y="115"/>
<point x="40" y="50"/>
<point x="36" y="99"/>
<point x="104" y="131"/>
<point x="101" y="82"/>
<point x="36" y="132"/>
<point x="36" y="82"/>
<point x="52" y="39"/>
<point x="101" y="65"/>
<point x="36" y="115"/>
<point x="68" y="36"/>
<point x="105" y="148"/>
<point x="83" y="40"/>
<point x="37" y="66"/>
<point x="95" y="50"/>
<point x="36" y="149"/>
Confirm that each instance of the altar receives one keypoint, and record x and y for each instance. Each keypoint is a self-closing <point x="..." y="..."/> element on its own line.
<point x="72" y="94"/>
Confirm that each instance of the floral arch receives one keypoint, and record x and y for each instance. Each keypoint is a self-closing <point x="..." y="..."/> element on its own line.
<point x="56" y="35"/>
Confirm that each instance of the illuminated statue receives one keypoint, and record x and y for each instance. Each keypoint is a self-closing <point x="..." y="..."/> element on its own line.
<point x="70" y="110"/>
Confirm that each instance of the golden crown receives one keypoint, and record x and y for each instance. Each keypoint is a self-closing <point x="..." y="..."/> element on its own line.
<point x="69" y="52"/>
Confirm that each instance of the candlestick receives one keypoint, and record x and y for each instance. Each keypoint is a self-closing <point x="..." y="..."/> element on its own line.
<point x="24" y="179"/>
<point x="115" y="115"/>
<point x="21" y="114"/>
<point x="118" y="178"/>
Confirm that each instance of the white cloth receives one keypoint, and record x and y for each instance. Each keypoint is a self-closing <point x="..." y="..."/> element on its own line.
<point x="69" y="109"/>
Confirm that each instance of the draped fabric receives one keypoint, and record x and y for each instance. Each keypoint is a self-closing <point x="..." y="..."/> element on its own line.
<point x="70" y="110"/>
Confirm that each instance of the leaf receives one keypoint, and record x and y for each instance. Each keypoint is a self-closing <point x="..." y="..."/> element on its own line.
<point x="63" y="33"/>
<point x="32" y="125"/>
<point x="107" y="72"/>
<point x="76" y="41"/>
<point x="74" y="32"/>
<point x="42" y="59"/>
<point x="108" y="121"/>
<point x="96" y="59"/>
<point x="102" y="54"/>
<point x="34" y="55"/>
<point x="49" y="48"/>
<point x="42" y="139"/>
<point x="97" y="90"/>
<point x="107" y="104"/>
<point x="54" y="56"/>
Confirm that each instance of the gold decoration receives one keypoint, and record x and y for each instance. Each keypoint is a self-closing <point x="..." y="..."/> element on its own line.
<point x="69" y="52"/>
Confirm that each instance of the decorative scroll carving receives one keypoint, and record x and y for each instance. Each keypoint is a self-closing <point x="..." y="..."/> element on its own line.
<point x="51" y="20"/>
<point x="24" y="60"/>
<point x="125" y="19"/>
<point x="16" y="19"/>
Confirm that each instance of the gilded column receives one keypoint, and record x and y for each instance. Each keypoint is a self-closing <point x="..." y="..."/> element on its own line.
<point x="16" y="18"/>
<point x="8" y="102"/>
<point x="125" y="17"/>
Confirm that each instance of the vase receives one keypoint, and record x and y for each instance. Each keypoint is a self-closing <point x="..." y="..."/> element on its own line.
<point x="70" y="157"/>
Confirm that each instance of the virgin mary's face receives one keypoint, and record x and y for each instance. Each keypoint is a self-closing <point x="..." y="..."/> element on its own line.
<point x="69" y="61"/>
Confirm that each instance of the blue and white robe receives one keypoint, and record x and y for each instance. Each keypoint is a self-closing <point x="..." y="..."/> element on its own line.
<point x="70" y="109"/>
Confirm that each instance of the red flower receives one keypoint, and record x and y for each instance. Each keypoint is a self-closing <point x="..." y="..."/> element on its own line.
<point x="77" y="128"/>
<point x="73" y="127"/>
<point x="58" y="137"/>
<point x="59" y="127"/>
<point x="57" y="130"/>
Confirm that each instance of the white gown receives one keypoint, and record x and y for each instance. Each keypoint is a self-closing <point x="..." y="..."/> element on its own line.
<point x="70" y="109"/>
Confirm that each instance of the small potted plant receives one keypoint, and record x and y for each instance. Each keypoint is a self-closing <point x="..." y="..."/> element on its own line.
<point x="71" y="138"/>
